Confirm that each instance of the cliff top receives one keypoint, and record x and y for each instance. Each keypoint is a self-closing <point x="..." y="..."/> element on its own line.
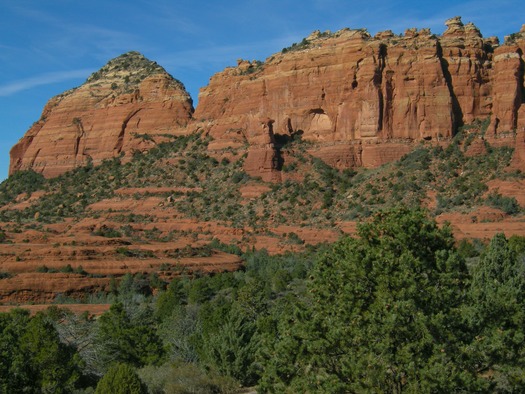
<point x="123" y="75"/>
<point x="455" y="29"/>
<point x="134" y="65"/>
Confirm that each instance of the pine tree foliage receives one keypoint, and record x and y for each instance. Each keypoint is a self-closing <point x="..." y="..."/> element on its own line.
<point x="497" y="310"/>
<point x="32" y="357"/>
<point x="121" y="379"/>
<point x="382" y="314"/>
<point x="129" y="339"/>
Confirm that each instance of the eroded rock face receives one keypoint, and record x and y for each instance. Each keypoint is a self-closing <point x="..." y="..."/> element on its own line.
<point x="360" y="101"/>
<point x="365" y="100"/>
<point x="104" y="117"/>
<point x="466" y="60"/>
<point x="509" y="87"/>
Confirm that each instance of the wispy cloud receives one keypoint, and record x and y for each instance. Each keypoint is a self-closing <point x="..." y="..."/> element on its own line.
<point x="84" y="39"/>
<point x="62" y="38"/>
<point x="43" y="79"/>
<point x="215" y="55"/>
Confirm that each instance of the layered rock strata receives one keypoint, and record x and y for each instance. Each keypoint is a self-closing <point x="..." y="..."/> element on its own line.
<point x="106" y="117"/>
<point x="359" y="100"/>
<point x="364" y="100"/>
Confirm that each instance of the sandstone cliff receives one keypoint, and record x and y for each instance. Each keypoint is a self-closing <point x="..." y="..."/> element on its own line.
<point x="104" y="118"/>
<point x="360" y="100"/>
<point x="364" y="100"/>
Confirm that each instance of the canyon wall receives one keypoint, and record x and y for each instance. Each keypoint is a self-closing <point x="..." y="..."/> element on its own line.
<point x="360" y="101"/>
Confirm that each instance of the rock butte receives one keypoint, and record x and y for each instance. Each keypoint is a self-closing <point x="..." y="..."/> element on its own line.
<point x="129" y="97"/>
<point x="360" y="100"/>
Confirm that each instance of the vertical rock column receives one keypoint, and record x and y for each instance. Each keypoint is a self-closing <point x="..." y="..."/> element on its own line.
<point x="508" y="84"/>
<point x="263" y="157"/>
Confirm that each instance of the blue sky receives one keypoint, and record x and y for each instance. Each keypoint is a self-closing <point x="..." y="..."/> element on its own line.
<point x="47" y="47"/>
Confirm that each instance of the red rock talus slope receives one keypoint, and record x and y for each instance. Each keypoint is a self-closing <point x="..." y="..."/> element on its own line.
<point x="102" y="118"/>
<point x="362" y="100"/>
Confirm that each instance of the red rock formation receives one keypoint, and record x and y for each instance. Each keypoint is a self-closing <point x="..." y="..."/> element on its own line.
<point x="364" y="100"/>
<point x="466" y="64"/>
<point x="263" y="158"/>
<point x="507" y="95"/>
<point x="361" y="101"/>
<point x="102" y="118"/>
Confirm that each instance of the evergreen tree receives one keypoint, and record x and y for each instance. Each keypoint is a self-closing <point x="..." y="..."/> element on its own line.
<point x="382" y="314"/>
<point x="54" y="365"/>
<point x="231" y="349"/>
<point x="32" y="358"/>
<point x="497" y="298"/>
<point x="129" y="339"/>
<point x="120" y="379"/>
<point x="15" y="371"/>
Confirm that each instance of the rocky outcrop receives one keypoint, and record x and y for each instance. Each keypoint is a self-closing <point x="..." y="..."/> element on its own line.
<point x="365" y="100"/>
<point x="359" y="100"/>
<point x="263" y="157"/>
<point x="466" y="63"/>
<point x="508" y="82"/>
<point x="105" y="117"/>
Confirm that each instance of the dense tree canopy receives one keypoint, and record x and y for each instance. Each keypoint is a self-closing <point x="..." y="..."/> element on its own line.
<point x="497" y="311"/>
<point x="382" y="313"/>
<point x="396" y="309"/>
<point x="129" y="338"/>
<point x="32" y="358"/>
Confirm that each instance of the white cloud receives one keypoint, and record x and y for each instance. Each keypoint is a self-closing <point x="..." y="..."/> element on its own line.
<point x="40" y="80"/>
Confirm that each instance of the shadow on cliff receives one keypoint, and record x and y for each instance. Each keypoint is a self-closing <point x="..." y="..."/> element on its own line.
<point x="457" y="112"/>
<point x="281" y="141"/>
<point x="522" y="75"/>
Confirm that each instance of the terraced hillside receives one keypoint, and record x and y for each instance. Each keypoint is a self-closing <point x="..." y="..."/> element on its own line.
<point x="177" y="209"/>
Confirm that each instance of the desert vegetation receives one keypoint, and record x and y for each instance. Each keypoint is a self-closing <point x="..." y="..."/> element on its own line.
<point x="207" y="188"/>
<point x="399" y="308"/>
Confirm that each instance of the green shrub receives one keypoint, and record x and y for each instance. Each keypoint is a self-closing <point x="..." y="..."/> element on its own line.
<point x="297" y="46"/>
<point x="121" y="379"/>
<point x="517" y="243"/>
<point x="509" y="205"/>
<point x="138" y="253"/>
<point x="238" y="177"/>
<point x="182" y="378"/>
<point x="295" y="239"/>
<point x="107" y="232"/>
<point x="67" y="269"/>
<point x="5" y="275"/>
